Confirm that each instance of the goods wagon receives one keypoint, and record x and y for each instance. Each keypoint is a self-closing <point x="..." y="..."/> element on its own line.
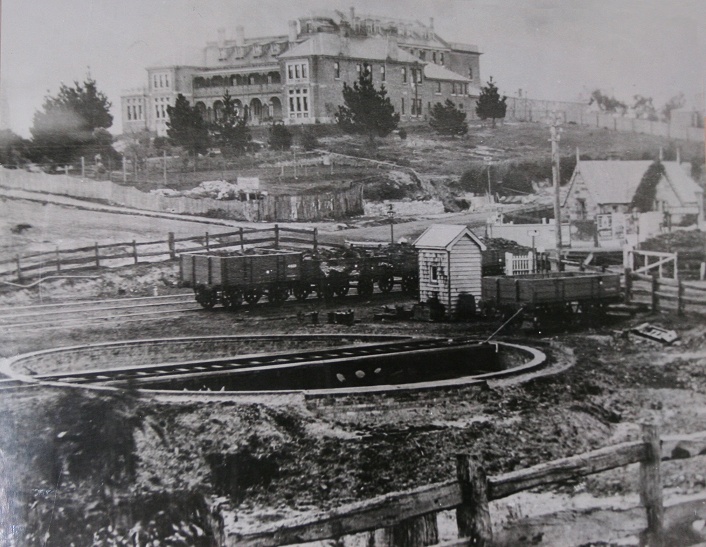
<point x="548" y="297"/>
<point x="230" y="278"/>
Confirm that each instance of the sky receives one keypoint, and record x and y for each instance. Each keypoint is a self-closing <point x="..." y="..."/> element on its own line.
<point x="551" y="49"/>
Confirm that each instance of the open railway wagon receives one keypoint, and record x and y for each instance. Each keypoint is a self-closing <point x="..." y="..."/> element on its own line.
<point x="385" y="266"/>
<point x="545" y="299"/>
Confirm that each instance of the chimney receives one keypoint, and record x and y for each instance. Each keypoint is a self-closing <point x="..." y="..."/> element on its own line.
<point x="352" y="14"/>
<point x="239" y="36"/>
<point x="221" y="37"/>
<point x="431" y="24"/>
<point x="293" y="31"/>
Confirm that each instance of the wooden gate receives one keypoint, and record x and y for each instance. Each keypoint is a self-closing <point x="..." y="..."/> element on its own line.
<point x="651" y="262"/>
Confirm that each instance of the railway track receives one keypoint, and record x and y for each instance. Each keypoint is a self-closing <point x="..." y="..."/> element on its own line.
<point x="72" y="314"/>
<point x="144" y="375"/>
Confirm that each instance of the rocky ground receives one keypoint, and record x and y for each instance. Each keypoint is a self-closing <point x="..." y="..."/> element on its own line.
<point x="82" y="450"/>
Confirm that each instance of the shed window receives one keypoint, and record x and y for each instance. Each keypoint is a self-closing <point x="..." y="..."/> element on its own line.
<point x="434" y="273"/>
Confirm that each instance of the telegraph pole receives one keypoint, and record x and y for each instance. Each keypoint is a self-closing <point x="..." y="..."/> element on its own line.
<point x="556" y="137"/>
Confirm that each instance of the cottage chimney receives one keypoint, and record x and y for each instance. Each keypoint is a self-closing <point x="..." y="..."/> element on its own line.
<point x="352" y="14"/>
<point x="431" y="24"/>
<point x="292" y="31"/>
<point x="239" y="36"/>
<point x="221" y="37"/>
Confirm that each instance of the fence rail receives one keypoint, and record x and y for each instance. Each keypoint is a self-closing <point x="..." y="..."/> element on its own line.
<point x="664" y="293"/>
<point x="24" y="267"/>
<point x="415" y="511"/>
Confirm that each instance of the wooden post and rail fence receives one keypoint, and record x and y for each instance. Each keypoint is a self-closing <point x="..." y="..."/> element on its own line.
<point x="61" y="262"/>
<point x="409" y="518"/>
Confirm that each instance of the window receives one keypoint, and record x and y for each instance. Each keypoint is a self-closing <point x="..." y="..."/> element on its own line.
<point x="414" y="107"/>
<point x="337" y="70"/>
<point x="161" y="82"/>
<point x="465" y="89"/>
<point x="156" y="109"/>
<point x="358" y="68"/>
<point x="438" y="87"/>
<point x="453" y="88"/>
<point x="164" y="114"/>
<point x="166" y="80"/>
<point x="434" y="274"/>
<point x="404" y="76"/>
<point x="129" y="113"/>
<point x="581" y="209"/>
<point x="402" y="105"/>
<point x="422" y="55"/>
<point x="433" y="56"/>
<point x="139" y="110"/>
<point x="470" y="72"/>
<point x="154" y="81"/>
<point x="297" y="71"/>
<point x="382" y="73"/>
<point x="441" y="58"/>
<point x="419" y="76"/>
<point x="367" y="69"/>
<point x="299" y="103"/>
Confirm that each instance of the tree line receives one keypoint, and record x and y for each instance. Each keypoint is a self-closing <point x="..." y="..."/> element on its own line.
<point x="73" y="124"/>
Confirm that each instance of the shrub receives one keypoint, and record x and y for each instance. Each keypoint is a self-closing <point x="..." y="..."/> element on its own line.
<point x="309" y="141"/>
<point x="402" y="133"/>
<point x="280" y="137"/>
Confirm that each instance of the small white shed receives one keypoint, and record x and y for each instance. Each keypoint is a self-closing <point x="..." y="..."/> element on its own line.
<point x="450" y="264"/>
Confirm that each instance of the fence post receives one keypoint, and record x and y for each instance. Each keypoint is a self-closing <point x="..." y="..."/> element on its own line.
<point x="413" y="532"/>
<point x="473" y="515"/>
<point x="208" y="245"/>
<point x="276" y="236"/>
<point x="628" y="285"/>
<point x="98" y="260"/>
<point x="651" y="485"/>
<point x="58" y="261"/>
<point x="680" y="298"/>
<point x="316" y="241"/>
<point x="242" y="240"/>
<point x="134" y="251"/>
<point x="655" y="296"/>
<point x="83" y="168"/>
<point x="172" y="246"/>
<point x="19" y="268"/>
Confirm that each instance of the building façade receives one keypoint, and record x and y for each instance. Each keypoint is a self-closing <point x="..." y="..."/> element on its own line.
<point x="298" y="78"/>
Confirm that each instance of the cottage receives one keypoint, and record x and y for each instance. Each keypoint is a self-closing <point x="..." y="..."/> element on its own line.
<point x="602" y="187"/>
<point x="450" y="264"/>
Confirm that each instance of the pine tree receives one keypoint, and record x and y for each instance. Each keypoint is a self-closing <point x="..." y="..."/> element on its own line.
<point x="230" y="131"/>
<point x="490" y="104"/>
<point x="65" y="128"/>
<point x="446" y="119"/>
<point x="644" y="198"/>
<point x="186" y="128"/>
<point x="367" y="110"/>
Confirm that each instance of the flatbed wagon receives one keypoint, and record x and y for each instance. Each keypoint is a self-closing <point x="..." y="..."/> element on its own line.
<point x="549" y="297"/>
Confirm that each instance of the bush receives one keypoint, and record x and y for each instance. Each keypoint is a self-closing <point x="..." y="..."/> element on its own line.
<point x="280" y="137"/>
<point x="309" y="141"/>
<point x="402" y="133"/>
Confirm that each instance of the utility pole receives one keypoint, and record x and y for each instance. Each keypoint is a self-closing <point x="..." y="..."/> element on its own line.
<point x="391" y="216"/>
<point x="556" y="137"/>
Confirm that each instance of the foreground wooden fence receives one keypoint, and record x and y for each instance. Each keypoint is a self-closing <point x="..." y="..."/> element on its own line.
<point x="58" y="262"/>
<point x="662" y="293"/>
<point x="409" y="518"/>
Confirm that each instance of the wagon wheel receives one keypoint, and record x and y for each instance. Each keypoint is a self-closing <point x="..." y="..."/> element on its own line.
<point x="386" y="283"/>
<point x="410" y="284"/>
<point x="302" y="292"/>
<point x="252" y="296"/>
<point x="365" y="286"/>
<point x="206" y="297"/>
<point x="231" y="298"/>
<point x="277" y="294"/>
<point x="341" y="288"/>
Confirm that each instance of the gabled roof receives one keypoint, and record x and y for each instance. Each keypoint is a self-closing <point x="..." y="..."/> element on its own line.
<point x="445" y="236"/>
<point x="335" y="45"/>
<point x="614" y="182"/>
<point x="683" y="185"/>
<point x="437" y="72"/>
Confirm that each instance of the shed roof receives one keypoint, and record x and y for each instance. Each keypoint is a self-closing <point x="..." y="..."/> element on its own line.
<point x="616" y="182"/>
<point x="438" y="72"/>
<point x="445" y="236"/>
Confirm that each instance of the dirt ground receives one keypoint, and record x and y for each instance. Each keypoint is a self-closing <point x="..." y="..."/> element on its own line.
<point x="305" y="457"/>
